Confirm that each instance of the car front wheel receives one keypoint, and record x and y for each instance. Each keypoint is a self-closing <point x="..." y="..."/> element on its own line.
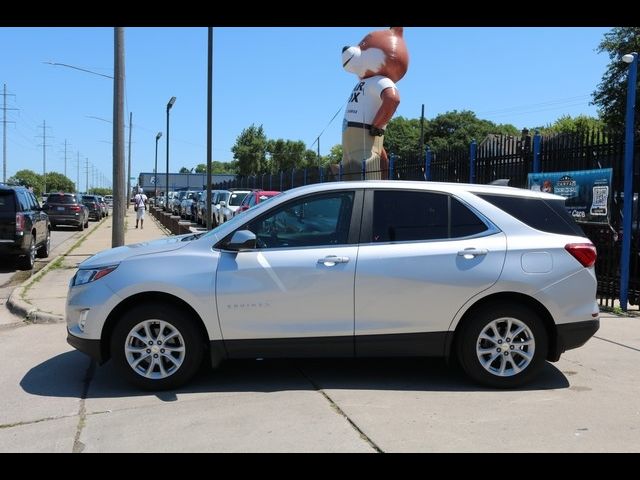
<point x="157" y="347"/>
<point x="503" y="346"/>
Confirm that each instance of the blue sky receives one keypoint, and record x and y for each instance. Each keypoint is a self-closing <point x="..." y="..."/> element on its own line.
<point x="290" y="80"/>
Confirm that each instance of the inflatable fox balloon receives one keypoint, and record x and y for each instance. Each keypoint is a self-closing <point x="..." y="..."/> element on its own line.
<point x="380" y="60"/>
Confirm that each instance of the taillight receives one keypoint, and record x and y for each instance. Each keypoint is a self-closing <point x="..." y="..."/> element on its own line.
<point x="75" y="208"/>
<point x="585" y="253"/>
<point x="19" y="222"/>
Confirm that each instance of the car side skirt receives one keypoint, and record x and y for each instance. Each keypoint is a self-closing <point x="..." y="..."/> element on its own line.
<point x="430" y="344"/>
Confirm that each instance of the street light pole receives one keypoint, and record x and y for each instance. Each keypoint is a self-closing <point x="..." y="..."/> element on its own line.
<point x="155" y="172"/>
<point x="166" y="193"/>
<point x="632" y="60"/>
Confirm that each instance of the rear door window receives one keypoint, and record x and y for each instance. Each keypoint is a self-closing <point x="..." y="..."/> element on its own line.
<point x="400" y="216"/>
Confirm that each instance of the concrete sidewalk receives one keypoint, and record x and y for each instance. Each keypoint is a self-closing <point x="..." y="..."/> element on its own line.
<point x="42" y="298"/>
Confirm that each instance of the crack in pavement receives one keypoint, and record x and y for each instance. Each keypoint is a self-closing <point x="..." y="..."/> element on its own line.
<point x="339" y="411"/>
<point x="78" y="446"/>
<point x="616" y="343"/>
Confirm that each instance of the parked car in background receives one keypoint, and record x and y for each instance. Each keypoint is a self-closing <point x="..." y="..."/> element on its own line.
<point x="25" y="230"/>
<point x="221" y="199"/>
<point x="501" y="279"/>
<point x="67" y="209"/>
<point x="105" y="207"/>
<point x="93" y="204"/>
<point x="254" y="198"/>
<point x="109" y="200"/>
<point x="228" y="209"/>
<point x="184" y="208"/>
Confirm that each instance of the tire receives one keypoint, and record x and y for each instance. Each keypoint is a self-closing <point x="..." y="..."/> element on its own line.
<point x="45" y="249"/>
<point x="81" y="226"/>
<point x="28" y="261"/>
<point x="497" y="359"/>
<point x="140" y="368"/>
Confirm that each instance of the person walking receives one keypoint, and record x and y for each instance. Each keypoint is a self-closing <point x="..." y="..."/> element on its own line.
<point x="139" y="206"/>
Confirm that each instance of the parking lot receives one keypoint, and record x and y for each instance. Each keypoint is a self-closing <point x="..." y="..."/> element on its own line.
<point x="54" y="399"/>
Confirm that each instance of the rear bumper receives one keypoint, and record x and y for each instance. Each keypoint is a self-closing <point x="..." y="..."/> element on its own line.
<point x="573" y="335"/>
<point x="16" y="246"/>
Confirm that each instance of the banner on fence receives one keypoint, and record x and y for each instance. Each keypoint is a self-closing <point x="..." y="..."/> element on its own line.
<point x="588" y="192"/>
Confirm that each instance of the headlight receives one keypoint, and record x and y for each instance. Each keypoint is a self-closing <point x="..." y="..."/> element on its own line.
<point x="83" y="276"/>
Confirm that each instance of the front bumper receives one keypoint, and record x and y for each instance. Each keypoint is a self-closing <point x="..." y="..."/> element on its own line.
<point x="85" y="345"/>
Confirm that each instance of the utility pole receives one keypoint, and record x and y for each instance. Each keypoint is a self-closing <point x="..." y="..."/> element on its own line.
<point x="78" y="177"/>
<point x="87" y="175"/>
<point x="129" y="169"/>
<point x="44" y="137"/>
<point x="65" y="157"/>
<point x="209" y="123"/>
<point x="119" y="195"/>
<point x="422" y="131"/>
<point x="4" y="132"/>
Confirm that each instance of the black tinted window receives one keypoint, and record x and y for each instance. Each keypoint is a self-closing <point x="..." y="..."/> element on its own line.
<point x="61" y="198"/>
<point x="403" y="215"/>
<point x="463" y="221"/>
<point x="7" y="204"/>
<point x="546" y="215"/>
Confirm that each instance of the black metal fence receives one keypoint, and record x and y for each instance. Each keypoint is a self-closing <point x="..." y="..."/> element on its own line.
<point x="500" y="159"/>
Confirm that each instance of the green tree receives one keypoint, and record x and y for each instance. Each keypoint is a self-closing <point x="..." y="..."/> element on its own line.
<point x="569" y="124"/>
<point x="311" y="159"/>
<point x="57" y="182"/>
<point x="184" y="170"/>
<point x="611" y="94"/>
<point x="335" y="154"/>
<point x="250" y="151"/>
<point x="457" y="129"/>
<point x="101" y="191"/>
<point x="216" y="167"/>
<point x="28" y="178"/>
<point x="402" y="137"/>
<point x="286" y="154"/>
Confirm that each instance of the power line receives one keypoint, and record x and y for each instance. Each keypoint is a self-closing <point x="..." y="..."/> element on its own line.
<point x="44" y="137"/>
<point x="534" y="105"/>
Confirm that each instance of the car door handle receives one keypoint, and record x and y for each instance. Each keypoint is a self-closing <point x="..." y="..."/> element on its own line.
<point x="331" y="260"/>
<point x="470" y="253"/>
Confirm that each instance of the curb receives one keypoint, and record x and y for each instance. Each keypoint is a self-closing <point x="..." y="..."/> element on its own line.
<point x="24" y="309"/>
<point x="30" y="313"/>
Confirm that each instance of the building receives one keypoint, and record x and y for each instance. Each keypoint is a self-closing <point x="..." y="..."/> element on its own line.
<point x="178" y="181"/>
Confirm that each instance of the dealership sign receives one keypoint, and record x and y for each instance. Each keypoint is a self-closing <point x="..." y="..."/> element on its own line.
<point x="588" y="192"/>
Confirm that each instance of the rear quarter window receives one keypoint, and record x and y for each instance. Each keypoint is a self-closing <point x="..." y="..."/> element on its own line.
<point x="545" y="215"/>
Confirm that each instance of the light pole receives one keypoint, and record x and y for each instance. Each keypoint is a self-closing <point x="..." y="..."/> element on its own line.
<point x="632" y="60"/>
<point x="166" y="192"/>
<point x="155" y="172"/>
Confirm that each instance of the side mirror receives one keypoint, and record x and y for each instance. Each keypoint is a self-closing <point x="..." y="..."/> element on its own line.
<point x="242" y="240"/>
<point x="223" y="204"/>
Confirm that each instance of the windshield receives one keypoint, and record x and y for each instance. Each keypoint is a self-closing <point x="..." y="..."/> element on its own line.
<point x="237" y="198"/>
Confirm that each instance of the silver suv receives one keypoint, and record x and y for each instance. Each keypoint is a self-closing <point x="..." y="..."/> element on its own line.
<point x="499" y="278"/>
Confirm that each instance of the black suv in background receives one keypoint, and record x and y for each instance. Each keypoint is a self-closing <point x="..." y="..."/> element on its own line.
<point x="67" y="209"/>
<point x="24" y="228"/>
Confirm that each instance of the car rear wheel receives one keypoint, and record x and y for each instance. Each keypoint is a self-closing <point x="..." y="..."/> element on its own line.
<point x="502" y="346"/>
<point x="28" y="261"/>
<point x="45" y="249"/>
<point x="157" y="347"/>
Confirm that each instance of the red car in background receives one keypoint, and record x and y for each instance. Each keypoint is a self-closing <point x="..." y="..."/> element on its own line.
<point x="254" y="198"/>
